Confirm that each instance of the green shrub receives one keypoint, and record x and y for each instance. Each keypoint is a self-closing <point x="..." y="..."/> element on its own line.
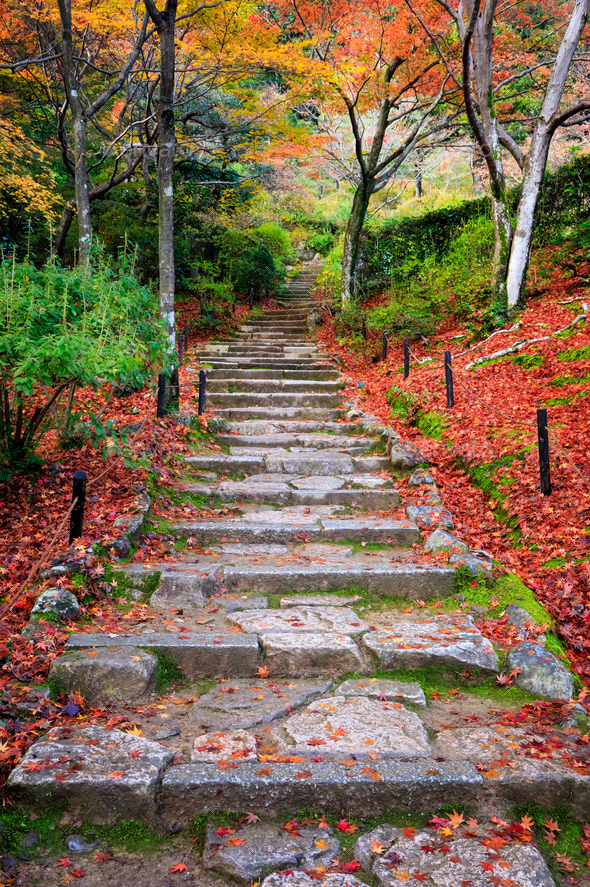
<point x="320" y="242"/>
<point x="63" y="328"/>
<point x="277" y="241"/>
<point x="247" y="261"/>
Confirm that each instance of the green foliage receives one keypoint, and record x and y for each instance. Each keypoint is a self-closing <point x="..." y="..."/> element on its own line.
<point x="425" y="288"/>
<point x="575" y="354"/>
<point x="169" y="672"/>
<point x="407" y="406"/>
<point x="247" y="261"/>
<point x="64" y="328"/>
<point x="277" y="240"/>
<point x="320" y="242"/>
<point x="527" y="361"/>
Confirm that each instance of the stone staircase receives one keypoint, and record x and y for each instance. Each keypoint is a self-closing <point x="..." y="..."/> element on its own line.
<point x="268" y="603"/>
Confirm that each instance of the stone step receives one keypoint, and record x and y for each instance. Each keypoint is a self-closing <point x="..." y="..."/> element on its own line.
<point x="267" y="575"/>
<point x="229" y="400"/>
<point x="199" y="655"/>
<point x="358" y="500"/>
<point x="281" y="363"/>
<point x="282" y="462"/>
<point x="258" y="373"/>
<point x="189" y="789"/>
<point x="278" y="414"/>
<point x="278" y="527"/>
<point x="316" y="440"/>
<point x="273" y="385"/>
<point x="278" y="425"/>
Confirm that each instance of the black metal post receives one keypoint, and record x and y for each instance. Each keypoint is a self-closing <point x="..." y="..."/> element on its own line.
<point x="364" y="326"/>
<point x="186" y="337"/>
<point x="384" y="351"/>
<point x="202" y="391"/>
<point x="544" y="467"/>
<point x="213" y="314"/>
<point x="251" y="298"/>
<point x="406" y="358"/>
<point x="449" y="380"/>
<point x="180" y="344"/>
<point x="77" y="515"/>
<point x="233" y="307"/>
<point x="161" y="407"/>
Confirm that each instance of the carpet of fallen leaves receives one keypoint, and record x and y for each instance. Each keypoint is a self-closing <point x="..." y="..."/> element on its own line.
<point x="494" y="421"/>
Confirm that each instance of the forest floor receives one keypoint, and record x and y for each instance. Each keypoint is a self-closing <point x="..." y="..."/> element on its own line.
<point x="484" y="452"/>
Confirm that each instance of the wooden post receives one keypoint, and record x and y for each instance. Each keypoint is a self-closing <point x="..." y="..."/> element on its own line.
<point x="77" y="515"/>
<point x="406" y="358"/>
<point x="251" y="298"/>
<point x="449" y="380"/>
<point x="202" y="391"/>
<point x="213" y="314"/>
<point x="186" y="337"/>
<point x="180" y="344"/>
<point x="161" y="403"/>
<point x="543" y="437"/>
<point x="233" y="307"/>
<point x="384" y="350"/>
<point x="364" y="326"/>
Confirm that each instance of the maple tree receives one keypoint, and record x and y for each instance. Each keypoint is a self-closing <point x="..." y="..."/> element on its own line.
<point x="366" y="68"/>
<point x="517" y="76"/>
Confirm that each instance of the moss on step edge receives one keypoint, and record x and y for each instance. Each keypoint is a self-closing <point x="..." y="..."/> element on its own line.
<point x="133" y="586"/>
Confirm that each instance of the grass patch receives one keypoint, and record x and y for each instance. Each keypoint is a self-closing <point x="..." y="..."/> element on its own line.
<point x="491" y="478"/>
<point x="573" y="354"/>
<point x="169" y="672"/>
<point x="437" y="679"/>
<point x="567" y="839"/>
<point x="136" y="587"/>
<point x="562" y="381"/>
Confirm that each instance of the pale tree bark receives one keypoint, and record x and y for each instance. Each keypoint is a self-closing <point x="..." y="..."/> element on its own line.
<point x="536" y="161"/>
<point x="512" y="245"/>
<point x="81" y="113"/>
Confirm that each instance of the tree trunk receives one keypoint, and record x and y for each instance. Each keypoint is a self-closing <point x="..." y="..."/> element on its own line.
<point x="65" y="223"/>
<point x="79" y="128"/>
<point x="418" y="167"/>
<point x="502" y="247"/>
<point x="352" y="238"/>
<point x="166" y="150"/>
<point x="522" y="241"/>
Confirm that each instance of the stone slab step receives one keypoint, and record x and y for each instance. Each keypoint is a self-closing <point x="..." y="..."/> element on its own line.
<point x="259" y="373"/>
<point x="189" y="790"/>
<point x="291" y="426"/>
<point x="281" y="462"/>
<point x="284" y="439"/>
<point x="394" y="532"/>
<point x="199" y="655"/>
<point x="273" y="385"/>
<point x="278" y="414"/>
<point x="267" y="575"/>
<point x="284" y="363"/>
<point x="295" y="399"/>
<point x="361" y="500"/>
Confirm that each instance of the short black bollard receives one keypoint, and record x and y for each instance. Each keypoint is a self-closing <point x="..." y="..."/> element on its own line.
<point x="213" y="314"/>
<point x="233" y="307"/>
<point x="544" y="467"/>
<point x="449" y="380"/>
<point x="161" y="406"/>
<point x="186" y="337"/>
<point x="251" y="298"/>
<point x="364" y="326"/>
<point x="202" y="391"/>
<point x="406" y="358"/>
<point x="77" y="515"/>
<point x="384" y="350"/>
<point x="180" y="344"/>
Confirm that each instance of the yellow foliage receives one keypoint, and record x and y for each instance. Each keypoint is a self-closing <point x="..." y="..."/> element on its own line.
<point x="27" y="183"/>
